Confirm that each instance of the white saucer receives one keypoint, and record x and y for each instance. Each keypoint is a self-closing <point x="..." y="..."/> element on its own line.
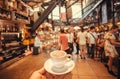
<point x="68" y="67"/>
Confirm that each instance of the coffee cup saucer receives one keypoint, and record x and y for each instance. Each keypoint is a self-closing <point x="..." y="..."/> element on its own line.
<point x="66" y="69"/>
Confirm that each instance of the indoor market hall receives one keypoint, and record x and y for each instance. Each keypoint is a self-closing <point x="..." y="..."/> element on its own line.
<point x="59" y="39"/>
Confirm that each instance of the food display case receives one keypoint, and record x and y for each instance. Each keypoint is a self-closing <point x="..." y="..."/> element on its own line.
<point x="50" y="41"/>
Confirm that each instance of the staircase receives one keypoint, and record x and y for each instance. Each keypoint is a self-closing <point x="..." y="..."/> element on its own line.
<point x="44" y="15"/>
<point x="88" y="9"/>
<point x="92" y="7"/>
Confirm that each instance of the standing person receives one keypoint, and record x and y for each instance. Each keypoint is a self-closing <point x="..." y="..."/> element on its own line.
<point x="38" y="43"/>
<point x="110" y="51"/>
<point x="63" y="41"/>
<point x="82" y="43"/>
<point x="100" y="45"/>
<point x="92" y="37"/>
<point x="70" y="39"/>
<point x="76" y="41"/>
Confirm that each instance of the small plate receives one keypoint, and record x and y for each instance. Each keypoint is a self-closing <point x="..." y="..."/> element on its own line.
<point x="68" y="67"/>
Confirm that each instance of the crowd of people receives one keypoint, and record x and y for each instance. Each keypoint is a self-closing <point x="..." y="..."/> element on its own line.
<point x="88" y="43"/>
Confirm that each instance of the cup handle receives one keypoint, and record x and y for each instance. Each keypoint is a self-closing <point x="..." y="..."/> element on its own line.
<point x="69" y="57"/>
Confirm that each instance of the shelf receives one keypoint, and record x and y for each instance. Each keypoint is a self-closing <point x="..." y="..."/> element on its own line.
<point x="21" y="21"/>
<point x="12" y="22"/>
<point x="11" y="53"/>
<point x="10" y="32"/>
<point x="22" y="13"/>
<point x="13" y="16"/>
<point x="21" y="18"/>
<point x="5" y="14"/>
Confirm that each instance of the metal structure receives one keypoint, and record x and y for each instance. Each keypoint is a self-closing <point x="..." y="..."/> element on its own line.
<point x="44" y="15"/>
<point x="52" y="4"/>
<point x="87" y="10"/>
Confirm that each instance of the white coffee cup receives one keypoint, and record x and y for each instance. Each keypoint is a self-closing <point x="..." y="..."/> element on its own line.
<point x="59" y="58"/>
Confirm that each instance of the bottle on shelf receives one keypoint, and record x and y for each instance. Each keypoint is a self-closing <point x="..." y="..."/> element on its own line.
<point x="8" y="15"/>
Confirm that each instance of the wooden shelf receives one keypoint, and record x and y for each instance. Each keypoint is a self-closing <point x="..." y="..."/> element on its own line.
<point x="11" y="16"/>
<point x="22" y="13"/>
<point x="7" y="13"/>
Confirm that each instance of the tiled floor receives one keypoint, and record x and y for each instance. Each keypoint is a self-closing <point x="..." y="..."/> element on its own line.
<point x="84" y="69"/>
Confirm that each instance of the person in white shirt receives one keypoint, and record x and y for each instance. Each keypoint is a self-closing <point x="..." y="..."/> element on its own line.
<point x="82" y="37"/>
<point x="37" y="42"/>
<point x="70" y="39"/>
<point x="75" y="42"/>
<point x="92" y="37"/>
